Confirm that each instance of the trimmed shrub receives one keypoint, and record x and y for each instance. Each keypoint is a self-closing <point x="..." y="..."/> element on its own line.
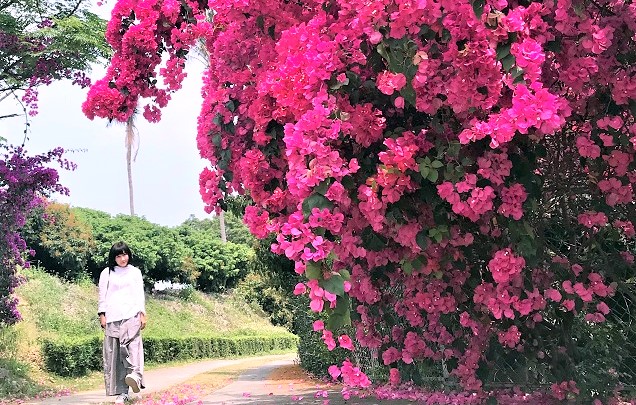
<point x="314" y="356"/>
<point x="77" y="357"/>
<point x="73" y="357"/>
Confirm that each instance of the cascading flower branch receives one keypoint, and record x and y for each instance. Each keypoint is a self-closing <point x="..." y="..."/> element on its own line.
<point x="24" y="183"/>
<point x="455" y="174"/>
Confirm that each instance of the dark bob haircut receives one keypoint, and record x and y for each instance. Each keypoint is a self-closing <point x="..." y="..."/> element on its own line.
<point x="116" y="250"/>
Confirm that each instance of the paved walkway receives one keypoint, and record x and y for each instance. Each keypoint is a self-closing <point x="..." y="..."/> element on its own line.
<point x="158" y="379"/>
<point x="253" y="388"/>
<point x="250" y="387"/>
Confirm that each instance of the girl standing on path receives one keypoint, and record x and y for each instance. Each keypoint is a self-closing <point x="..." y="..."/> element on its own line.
<point x="122" y="314"/>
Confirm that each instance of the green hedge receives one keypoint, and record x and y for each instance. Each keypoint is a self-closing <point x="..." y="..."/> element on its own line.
<point x="77" y="357"/>
<point x="73" y="357"/>
<point x="314" y="356"/>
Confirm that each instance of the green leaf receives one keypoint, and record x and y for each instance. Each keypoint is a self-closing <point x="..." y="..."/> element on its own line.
<point x="344" y="273"/>
<point x="433" y="176"/>
<point x="453" y="149"/>
<point x="553" y="46"/>
<point x="313" y="271"/>
<point x="315" y="200"/>
<point x="419" y="262"/>
<point x="579" y="8"/>
<point x="323" y="187"/>
<point x="526" y="247"/>
<point x="230" y="105"/>
<point x="372" y="240"/>
<point x="478" y="7"/>
<point x="422" y="240"/>
<point x="338" y="320"/>
<point x="508" y="62"/>
<point x="334" y="284"/>
<point x="408" y="93"/>
<point x="529" y="229"/>
<point x="407" y="268"/>
<point x="424" y="171"/>
<point x="632" y="107"/>
<point x="216" y="139"/>
<point x="343" y="305"/>
<point x="381" y="48"/>
<point x="348" y="183"/>
<point x="436" y="164"/>
<point x="503" y="50"/>
<point x="517" y="74"/>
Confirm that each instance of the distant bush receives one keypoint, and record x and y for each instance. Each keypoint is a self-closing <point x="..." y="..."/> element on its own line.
<point x="187" y="293"/>
<point x="191" y="253"/>
<point x="276" y="302"/>
<point x="77" y="357"/>
<point x="158" y="251"/>
<point x="235" y="229"/>
<point x="62" y="241"/>
<point x="220" y="265"/>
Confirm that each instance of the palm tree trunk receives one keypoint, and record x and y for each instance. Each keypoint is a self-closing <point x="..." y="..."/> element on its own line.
<point x="131" y="199"/>
<point x="222" y="225"/>
<point x="130" y="140"/>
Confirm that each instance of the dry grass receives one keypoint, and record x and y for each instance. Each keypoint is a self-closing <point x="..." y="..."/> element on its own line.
<point x="293" y="374"/>
<point x="223" y="376"/>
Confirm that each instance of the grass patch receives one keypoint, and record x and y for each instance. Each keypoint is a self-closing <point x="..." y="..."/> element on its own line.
<point x="70" y="310"/>
<point x="15" y="377"/>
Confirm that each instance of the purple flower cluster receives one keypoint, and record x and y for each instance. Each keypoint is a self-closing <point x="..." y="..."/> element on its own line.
<point x="25" y="182"/>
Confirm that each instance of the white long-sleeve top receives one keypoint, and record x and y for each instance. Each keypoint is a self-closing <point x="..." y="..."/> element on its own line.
<point x="121" y="293"/>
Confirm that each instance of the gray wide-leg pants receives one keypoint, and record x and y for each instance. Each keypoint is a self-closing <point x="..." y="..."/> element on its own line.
<point x="123" y="354"/>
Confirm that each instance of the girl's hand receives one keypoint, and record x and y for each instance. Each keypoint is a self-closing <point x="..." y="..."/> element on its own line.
<point x="142" y="320"/>
<point x="102" y="321"/>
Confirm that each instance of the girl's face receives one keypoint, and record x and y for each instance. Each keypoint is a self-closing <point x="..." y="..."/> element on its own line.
<point x="122" y="260"/>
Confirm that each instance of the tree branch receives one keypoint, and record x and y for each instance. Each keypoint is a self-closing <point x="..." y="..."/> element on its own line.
<point x="6" y="4"/>
<point x="71" y="12"/>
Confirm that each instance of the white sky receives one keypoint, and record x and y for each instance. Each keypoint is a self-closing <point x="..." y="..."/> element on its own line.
<point x="165" y="174"/>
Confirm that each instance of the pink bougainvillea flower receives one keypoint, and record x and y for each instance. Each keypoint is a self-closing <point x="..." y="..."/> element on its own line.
<point x="334" y="371"/>
<point x="300" y="289"/>
<point x="389" y="82"/>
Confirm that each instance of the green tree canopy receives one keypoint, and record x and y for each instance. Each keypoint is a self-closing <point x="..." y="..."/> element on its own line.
<point x="62" y="242"/>
<point x="42" y="41"/>
<point x="235" y="229"/>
